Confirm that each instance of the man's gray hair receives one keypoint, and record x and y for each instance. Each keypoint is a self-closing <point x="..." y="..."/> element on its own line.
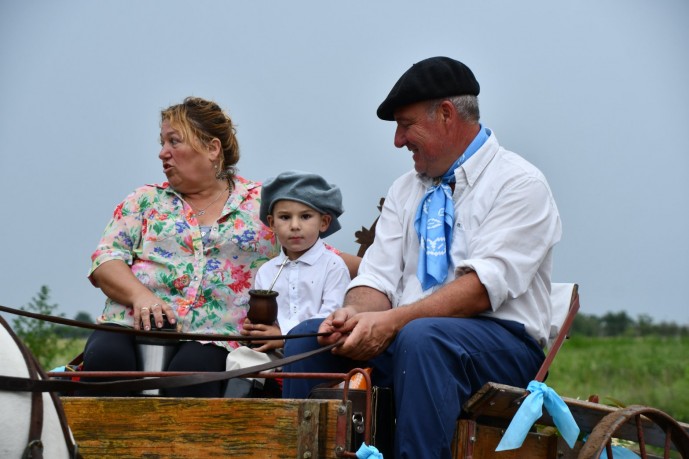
<point x="466" y="106"/>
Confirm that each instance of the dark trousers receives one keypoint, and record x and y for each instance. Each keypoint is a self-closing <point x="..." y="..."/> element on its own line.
<point x="111" y="351"/>
<point x="434" y="365"/>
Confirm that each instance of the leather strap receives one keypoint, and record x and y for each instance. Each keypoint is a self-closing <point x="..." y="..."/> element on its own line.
<point x="34" y="448"/>
<point x="11" y="383"/>
<point x="150" y="333"/>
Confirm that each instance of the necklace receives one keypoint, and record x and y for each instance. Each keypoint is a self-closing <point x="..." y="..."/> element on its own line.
<point x="201" y="212"/>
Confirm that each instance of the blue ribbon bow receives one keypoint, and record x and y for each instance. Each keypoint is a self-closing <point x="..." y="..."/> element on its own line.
<point x="531" y="410"/>
<point x="368" y="452"/>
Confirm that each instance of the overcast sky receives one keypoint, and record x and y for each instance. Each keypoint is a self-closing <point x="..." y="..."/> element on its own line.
<point x="593" y="92"/>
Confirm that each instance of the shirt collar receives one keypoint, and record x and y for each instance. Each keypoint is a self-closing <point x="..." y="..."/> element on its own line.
<point x="242" y="189"/>
<point x="310" y="257"/>
<point x="477" y="147"/>
<point x="484" y="155"/>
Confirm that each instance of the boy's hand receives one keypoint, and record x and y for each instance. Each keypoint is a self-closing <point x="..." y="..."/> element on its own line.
<point x="251" y="329"/>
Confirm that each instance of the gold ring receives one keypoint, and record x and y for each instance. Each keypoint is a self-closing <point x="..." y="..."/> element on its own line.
<point x="144" y="308"/>
<point x="157" y="304"/>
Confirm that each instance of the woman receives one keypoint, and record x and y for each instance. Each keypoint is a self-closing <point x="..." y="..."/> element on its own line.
<point x="186" y="249"/>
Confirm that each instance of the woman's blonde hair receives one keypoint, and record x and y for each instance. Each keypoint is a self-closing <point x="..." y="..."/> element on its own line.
<point x="199" y="121"/>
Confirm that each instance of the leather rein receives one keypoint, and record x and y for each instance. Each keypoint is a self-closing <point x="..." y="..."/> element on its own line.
<point x="34" y="446"/>
<point x="11" y="383"/>
<point x="38" y="381"/>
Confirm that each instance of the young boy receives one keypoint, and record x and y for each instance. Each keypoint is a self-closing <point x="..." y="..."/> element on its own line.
<point x="300" y="208"/>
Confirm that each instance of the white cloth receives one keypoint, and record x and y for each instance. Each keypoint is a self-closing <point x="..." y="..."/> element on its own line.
<point x="506" y="224"/>
<point x="311" y="286"/>
<point x="245" y="357"/>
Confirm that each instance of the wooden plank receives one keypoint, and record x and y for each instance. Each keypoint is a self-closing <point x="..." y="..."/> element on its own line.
<point x="500" y="402"/>
<point x="478" y="441"/>
<point x="156" y="427"/>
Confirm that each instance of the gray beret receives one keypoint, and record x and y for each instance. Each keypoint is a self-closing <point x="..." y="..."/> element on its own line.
<point x="307" y="188"/>
<point x="432" y="78"/>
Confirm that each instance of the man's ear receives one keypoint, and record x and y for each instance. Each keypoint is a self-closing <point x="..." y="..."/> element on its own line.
<point x="447" y="111"/>
<point x="325" y="221"/>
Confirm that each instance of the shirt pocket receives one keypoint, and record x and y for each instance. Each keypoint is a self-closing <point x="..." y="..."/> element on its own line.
<point x="460" y="237"/>
<point x="160" y="227"/>
<point x="247" y="235"/>
<point x="166" y="239"/>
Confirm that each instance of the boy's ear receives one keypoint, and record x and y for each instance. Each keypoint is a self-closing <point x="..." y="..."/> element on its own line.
<point x="270" y="219"/>
<point x="325" y="221"/>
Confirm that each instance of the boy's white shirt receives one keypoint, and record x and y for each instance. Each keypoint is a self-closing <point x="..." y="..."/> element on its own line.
<point x="311" y="286"/>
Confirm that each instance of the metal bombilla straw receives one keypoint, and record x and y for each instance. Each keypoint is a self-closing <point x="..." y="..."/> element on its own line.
<point x="278" y="274"/>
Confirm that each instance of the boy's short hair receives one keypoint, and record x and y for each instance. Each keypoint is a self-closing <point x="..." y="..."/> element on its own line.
<point x="304" y="187"/>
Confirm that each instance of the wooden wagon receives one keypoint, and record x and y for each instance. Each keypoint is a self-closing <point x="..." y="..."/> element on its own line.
<point x="154" y="427"/>
<point x="158" y="427"/>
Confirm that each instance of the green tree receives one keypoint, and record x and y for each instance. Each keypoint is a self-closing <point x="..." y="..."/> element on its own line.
<point x="586" y="325"/>
<point x="70" y="332"/>
<point x="39" y="335"/>
<point x="645" y="325"/>
<point x="616" y="323"/>
<point x="83" y="316"/>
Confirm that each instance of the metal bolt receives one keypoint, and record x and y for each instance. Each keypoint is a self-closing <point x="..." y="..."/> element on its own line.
<point x="307" y="416"/>
<point x="307" y="455"/>
<point x="342" y="409"/>
<point x="339" y="450"/>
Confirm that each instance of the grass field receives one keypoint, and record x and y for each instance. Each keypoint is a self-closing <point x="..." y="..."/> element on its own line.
<point x="69" y="348"/>
<point x="652" y="371"/>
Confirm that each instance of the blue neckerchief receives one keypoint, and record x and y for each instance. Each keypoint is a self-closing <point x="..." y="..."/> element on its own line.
<point x="435" y="219"/>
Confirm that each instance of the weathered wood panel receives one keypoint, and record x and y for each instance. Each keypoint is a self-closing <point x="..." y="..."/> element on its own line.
<point x="155" y="427"/>
<point x="477" y="441"/>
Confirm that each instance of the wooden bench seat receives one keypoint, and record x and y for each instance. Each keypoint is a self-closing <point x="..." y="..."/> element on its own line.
<point x="156" y="427"/>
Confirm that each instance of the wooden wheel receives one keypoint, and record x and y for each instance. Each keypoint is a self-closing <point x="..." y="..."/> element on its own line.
<point x="641" y="417"/>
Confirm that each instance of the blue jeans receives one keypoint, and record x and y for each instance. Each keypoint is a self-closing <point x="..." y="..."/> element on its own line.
<point x="434" y="365"/>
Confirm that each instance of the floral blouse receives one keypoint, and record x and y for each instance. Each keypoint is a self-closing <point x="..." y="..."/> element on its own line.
<point x="156" y="233"/>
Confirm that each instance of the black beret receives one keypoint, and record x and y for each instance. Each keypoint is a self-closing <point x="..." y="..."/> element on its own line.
<point x="307" y="188"/>
<point x="431" y="78"/>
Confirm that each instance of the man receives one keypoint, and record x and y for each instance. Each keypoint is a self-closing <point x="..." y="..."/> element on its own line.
<point x="454" y="291"/>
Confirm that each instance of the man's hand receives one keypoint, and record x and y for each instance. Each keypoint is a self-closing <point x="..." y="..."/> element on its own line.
<point x="365" y="325"/>
<point x="336" y="324"/>
<point x="371" y="333"/>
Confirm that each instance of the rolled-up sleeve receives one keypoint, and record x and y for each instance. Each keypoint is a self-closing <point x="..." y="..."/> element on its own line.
<point x="509" y="247"/>
<point x="121" y="235"/>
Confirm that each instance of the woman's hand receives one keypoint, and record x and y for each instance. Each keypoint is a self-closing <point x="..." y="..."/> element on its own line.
<point x="116" y="280"/>
<point x="149" y="312"/>
<point x="251" y="329"/>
